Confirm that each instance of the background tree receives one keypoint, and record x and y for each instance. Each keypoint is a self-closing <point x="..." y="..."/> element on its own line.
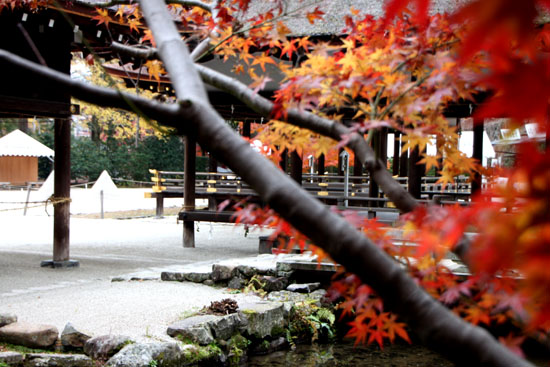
<point x="427" y="73"/>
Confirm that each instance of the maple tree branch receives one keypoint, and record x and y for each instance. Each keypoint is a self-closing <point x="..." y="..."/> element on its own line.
<point x="436" y="325"/>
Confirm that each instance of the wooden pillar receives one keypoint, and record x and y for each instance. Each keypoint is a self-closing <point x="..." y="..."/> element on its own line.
<point x="477" y="153"/>
<point x="396" y="153"/>
<point x="296" y="167"/>
<point x="246" y="129"/>
<point x="374" y="191"/>
<point x="415" y="174"/>
<point x="383" y="150"/>
<point x="189" y="190"/>
<point x="62" y="195"/>
<point x="321" y="164"/>
<point x="283" y="163"/>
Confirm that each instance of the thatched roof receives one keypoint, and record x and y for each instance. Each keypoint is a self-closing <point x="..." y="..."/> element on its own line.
<point x="17" y="143"/>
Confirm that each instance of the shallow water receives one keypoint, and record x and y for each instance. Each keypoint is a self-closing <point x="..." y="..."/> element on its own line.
<point x="344" y="354"/>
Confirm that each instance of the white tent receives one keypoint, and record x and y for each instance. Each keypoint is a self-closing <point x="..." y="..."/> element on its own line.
<point x="17" y="143"/>
<point x="104" y="183"/>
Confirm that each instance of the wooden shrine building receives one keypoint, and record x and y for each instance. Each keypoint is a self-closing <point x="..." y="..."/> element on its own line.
<point x="19" y="158"/>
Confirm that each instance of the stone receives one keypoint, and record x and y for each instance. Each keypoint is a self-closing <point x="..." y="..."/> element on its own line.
<point x="208" y="282"/>
<point x="272" y="284"/>
<point x="262" y="317"/>
<point x="236" y="283"/>
<point x="72" y="338"/>
<point x="195" y="328"/>
<point x="57" y="360"/>
<point x="104" y="346"/>
<point x="196" y="277"/>
<point x="29" y="335"/>
<point x="282" y="266"/>
<point x="223" y="327"/>
<point x="221" y="272"/>
<point x="246" y="271"/>
<point x="293" y="297"/>
<point x="7" y="318"/>
<point x="147" y="354"/>
<point x="11" y="358"/>
<point x="303" y="288"/>
<point x="169" y="276"/>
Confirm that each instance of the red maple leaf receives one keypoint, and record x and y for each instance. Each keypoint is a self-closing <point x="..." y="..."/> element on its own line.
<point x="396" y="7"/>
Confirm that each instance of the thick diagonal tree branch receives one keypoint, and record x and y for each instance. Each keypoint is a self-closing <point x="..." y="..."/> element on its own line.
<point x="437" y="327"/>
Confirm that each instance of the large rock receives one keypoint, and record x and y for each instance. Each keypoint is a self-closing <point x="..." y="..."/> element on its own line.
<point x="29" y="335"/>
<point x="57" y="360"/>
<point x="7" y="318"/>
<point x="72" y="338"/>
<point x="272" y="284"/>
<point x="221" y="272"/>
<point x="223" y="327"/>
<point x="262" y="318"/>
<point x="11" y="358"/>
<point x="146" y="354"/>
<point x="170" y="276"/>
<point x="195" y="328"/>
<point x="246" y="271"/>
<point x="196" y="277"/>
<point x="236" y="283"/>
<point x="105" y="346"/>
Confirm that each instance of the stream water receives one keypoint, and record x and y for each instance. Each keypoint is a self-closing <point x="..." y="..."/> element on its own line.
<point x="344" y="354"/>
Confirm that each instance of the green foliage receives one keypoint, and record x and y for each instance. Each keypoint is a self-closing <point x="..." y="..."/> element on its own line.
<point x="311" y="322"/>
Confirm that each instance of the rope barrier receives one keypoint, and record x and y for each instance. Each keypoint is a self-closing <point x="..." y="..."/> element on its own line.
<point x="52" y="200"/>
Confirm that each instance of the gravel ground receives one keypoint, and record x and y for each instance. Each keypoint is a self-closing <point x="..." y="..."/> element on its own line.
<point x="85" y="296"/>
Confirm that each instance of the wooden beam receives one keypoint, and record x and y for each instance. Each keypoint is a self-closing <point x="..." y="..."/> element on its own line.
<point x="189" y="190"/>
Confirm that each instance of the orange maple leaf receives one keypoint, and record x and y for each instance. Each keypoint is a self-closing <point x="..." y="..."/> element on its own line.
<point x="102" y="16"/>
<point x="262" y="60"/>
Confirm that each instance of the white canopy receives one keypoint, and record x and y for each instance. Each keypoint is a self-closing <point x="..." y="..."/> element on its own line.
<point x="17" y="143"/>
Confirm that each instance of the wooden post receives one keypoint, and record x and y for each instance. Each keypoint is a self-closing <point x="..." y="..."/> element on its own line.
<point x="284" y="160"/>
<point x="415" y="174"/>
<point x="62" y="194"/>
<point x="477" y="153"/>
<point x="189" y="190"/>
<point x="321" y="165"/>
<point x="246" y="129"/>
<point x="296" y="167"/>
<point x="396" y="153"/>
<point x="374" y="191"/>
<point x="383" y="150"/>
